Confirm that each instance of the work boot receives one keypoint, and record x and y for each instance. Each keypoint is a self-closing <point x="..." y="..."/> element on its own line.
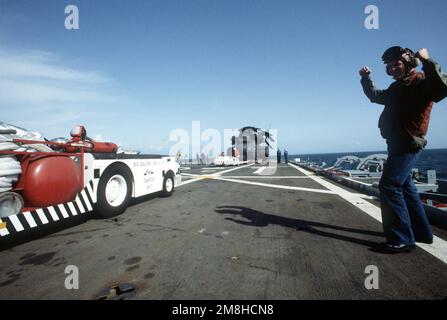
<point x="393" y="248"/>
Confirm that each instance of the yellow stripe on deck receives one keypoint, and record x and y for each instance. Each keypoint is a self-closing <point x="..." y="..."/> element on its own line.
<point x="207" y="177"/>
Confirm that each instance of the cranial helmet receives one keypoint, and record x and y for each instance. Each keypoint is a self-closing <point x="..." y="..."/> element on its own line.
<point x="78" y="133"/>
<point x="405" y="55"/>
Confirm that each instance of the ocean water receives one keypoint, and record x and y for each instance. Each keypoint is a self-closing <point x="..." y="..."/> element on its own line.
<point x="430" y="159"/>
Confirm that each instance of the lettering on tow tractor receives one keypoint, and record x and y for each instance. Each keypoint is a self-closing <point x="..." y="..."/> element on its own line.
<point x="148" y="176"/>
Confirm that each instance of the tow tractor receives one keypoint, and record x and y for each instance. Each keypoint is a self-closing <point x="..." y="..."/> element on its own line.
<point x="57" y="180"/>
<point x="223" y="160"/>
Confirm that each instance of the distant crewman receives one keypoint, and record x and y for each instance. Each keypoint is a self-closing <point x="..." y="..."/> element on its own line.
<point x="403" y="123"/>
<point x="178" y="156"/>
<point x="286" y="156"/>
<point x="278" y="156"/>
<point x="237" y="154"/>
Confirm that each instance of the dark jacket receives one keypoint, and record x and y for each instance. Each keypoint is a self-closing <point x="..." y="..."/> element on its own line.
<point x="408" y="103"/>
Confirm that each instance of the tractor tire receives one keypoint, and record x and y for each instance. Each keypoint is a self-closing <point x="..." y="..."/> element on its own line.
<point x="168" y="185"/>
<point x="114" y="191"/>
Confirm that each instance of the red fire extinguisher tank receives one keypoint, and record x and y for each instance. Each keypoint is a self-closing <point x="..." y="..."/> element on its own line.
<point x="51" y="180"/>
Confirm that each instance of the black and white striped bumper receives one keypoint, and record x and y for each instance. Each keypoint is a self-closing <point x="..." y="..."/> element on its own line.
<point x="82" y="204"/>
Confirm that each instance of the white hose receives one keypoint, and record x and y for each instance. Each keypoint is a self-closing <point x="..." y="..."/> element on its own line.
<point x="10" y="172"/>
<point x="10" y="163"/>
<point x="5" y="182"/>
<point x="5" y="159"/>
<point x="10" y="168"/>
<point x="8" y="146"/>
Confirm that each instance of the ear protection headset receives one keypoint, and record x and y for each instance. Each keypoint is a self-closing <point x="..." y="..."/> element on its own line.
<point x="409" y="58"/>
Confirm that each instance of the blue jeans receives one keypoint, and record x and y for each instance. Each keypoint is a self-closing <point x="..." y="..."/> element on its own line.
<point x="403" y="216"/>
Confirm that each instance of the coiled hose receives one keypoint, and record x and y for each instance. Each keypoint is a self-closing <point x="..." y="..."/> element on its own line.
<point x="10" y="168"/>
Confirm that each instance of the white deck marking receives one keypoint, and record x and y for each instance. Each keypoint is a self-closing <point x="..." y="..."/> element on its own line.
<point x="266" y="177"/>
<point x="233" y="169"/>
<point x="196" y="177"/>
<point x="259" y="171"/>
<point x="276" y="186"/>
<point x="189" y="181"/>
<point x="190" y="175"/>
<point x="439" y="247"/>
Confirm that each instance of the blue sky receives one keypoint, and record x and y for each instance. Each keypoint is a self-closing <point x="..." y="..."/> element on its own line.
<point x="136" y="70"/>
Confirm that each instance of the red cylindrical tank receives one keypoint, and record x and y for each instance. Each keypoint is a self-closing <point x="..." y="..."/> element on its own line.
<point x="51" y="180"/>
<point x="105" y="147"/>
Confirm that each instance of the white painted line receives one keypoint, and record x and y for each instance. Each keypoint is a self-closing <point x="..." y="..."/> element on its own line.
<point x="201" y="177"/>
<point x="260" y="170"/>
<point x="269" y="171"/>
<point x="190" y="175"/>
<point x="42" y="216"/>
<point x="16" y="223"/>
<point x="439" y="247"/>
<point x="53" y="214"/>
<point x="276" y="186"/>
<point x="232" y="169"/>
<point x="29" y="218"/>
<point x="352" y="198"/>
<point x="3" y="230"/>
<point x="188" y="181"/>
<point x="267" y="177"/>
<point x="86" y="200"/>
<point x="72" y="209"/>
<point x="63" y="211"/>
<point x="79" y="203"/>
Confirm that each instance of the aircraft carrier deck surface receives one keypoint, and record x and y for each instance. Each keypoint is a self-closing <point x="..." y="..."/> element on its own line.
<point x="231" y="233"/>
